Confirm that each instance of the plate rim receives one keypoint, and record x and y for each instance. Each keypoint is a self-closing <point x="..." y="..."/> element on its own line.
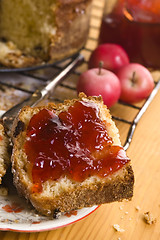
<point x="49" y="228"/>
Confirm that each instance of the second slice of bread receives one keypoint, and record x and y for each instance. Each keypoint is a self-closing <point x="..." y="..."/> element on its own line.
<point x="66" y="194"/>
<point x="4" y="152"/>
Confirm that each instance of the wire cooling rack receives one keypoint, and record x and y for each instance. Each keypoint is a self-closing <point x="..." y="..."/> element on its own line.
<point x="17" y="84"/>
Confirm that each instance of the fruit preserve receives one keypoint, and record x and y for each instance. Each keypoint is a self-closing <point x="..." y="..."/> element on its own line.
<point x="135" y="25"/>
<point x="74" y="143"/>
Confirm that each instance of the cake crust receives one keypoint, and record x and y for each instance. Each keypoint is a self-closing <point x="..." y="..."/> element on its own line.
<point x="42" y="33"/>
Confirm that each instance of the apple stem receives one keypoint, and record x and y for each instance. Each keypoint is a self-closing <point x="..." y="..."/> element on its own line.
<point x="100" y="67"/>
<point x="133" y="78"/>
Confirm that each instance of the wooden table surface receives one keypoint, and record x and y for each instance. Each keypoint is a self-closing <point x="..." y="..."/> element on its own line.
<point x="144" y="152"/>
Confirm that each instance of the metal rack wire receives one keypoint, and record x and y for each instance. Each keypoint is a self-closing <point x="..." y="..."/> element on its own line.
<point x="38" y="76"/>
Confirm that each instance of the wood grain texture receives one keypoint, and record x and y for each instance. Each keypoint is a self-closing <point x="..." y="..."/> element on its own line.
<point x="144" y="152"/>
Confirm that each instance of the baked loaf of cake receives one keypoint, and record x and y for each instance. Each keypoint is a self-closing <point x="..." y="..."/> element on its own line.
<point x="69" y="156"/>
<point x="39" y="31"/>
<point x="5" y="152"/>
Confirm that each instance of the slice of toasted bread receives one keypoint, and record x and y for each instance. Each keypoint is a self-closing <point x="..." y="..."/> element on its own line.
<point x="4" y="152"/>
<point x="65" y="193"/>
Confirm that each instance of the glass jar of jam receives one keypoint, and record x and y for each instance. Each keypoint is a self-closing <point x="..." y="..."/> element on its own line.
<point x="135" y="25"/>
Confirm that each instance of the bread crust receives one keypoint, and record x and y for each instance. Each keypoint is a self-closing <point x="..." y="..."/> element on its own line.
<point x="65" y="194"/>
<point x="5" y="152"/>
<point x="115" y="189"/>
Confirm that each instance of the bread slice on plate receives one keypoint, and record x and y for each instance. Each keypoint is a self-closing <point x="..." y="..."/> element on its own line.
<point x="69" y="156"/>
<point x="4" y="152"/>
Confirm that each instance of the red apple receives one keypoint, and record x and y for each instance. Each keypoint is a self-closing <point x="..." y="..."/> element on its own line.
<point x="102" y="82"/>
<point x="136" y="82"/>
<point x="113" y="57"/>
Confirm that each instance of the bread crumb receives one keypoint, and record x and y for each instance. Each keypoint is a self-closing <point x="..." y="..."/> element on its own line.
<point x="137" y="208"/>
<point x="117" y="228"/>
<point x="3" y="191"/>
<point x="148" y="218"/>
<point x="118" y="238"/>
<point x="126" y="213"/>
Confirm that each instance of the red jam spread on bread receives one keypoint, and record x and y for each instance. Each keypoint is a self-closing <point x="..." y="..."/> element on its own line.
<point x="74" y="143"/>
